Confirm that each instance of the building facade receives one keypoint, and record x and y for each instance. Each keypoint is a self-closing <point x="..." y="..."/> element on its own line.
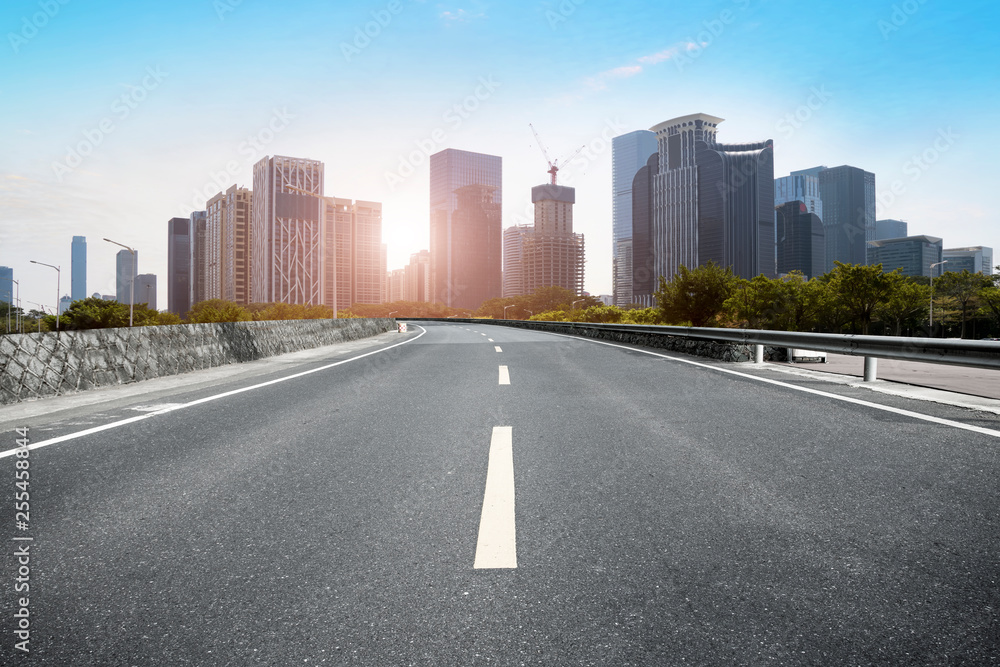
<point x="179" y="266"/>
<point x="848" y="195"/>
<point x="913" y="254"/>
<point x="288" y="244"/>
<point x="513" y="259"/>
<point x="355" y="266"/>
<point x="629" y="153"/>
<point x="712" y="202"/>
<point x="145" y="289"/>
<point x="552" y="255"/>
<point x="801" y="240"/>
<point x="199" y="253"/>
<point x="7" y="291"/>
<point x="466" y="200"/>
<point x="645" y="279"/>
<point x="126" y="269"/>
<point x="78" y="289"/>
<point x="890" y="229"/>
<point x="417" y="281"/>
<point x="800" y="186"/>
<point x="974" y="259"/>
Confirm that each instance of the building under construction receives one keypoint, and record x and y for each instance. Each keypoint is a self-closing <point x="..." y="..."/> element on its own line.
<point x="552" y="255"/>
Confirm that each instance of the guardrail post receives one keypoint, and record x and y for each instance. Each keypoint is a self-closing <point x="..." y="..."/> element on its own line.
<point x="758" y="354"/>
<point x="871" y="369"/>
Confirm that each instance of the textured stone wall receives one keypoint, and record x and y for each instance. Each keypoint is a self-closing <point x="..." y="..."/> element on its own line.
<point x="47" y="364"/>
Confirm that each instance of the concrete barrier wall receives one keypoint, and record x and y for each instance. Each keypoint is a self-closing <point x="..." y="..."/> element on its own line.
<point x="48" y="364"/>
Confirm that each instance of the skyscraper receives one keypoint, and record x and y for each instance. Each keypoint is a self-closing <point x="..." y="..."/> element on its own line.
<point x="78" y="289"/>
<point x="125" y="272"/>
<point x="355" y="272"/>
<point x="800" y="186"/>
<point x="552" y="255"/>
<point x="286" y="231"/>
<point x="418" y="277"/>
<point x="848" y="195"/>
<point x="465" y="211"/>
<point x="513" y="259"/>
<point x="236" y="245"/>
<point x="145" y="289"/>
<point x="226" y="265"/>
<point x="644" y="279"/>
<point x="199" y="256"/>
<point x="712" y="202"/>
<point x="629" y="153"/>
<point x="801" y="240"/>
<point x="179" y="266"/>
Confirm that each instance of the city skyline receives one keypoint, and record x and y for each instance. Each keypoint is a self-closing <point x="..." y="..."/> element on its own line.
<point x="906" y="95"/>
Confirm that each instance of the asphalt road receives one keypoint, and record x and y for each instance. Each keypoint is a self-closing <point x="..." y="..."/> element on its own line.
<point x="669" y="511"/>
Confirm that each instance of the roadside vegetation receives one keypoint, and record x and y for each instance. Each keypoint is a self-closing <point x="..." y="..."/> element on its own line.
<point x="850" y="299"/>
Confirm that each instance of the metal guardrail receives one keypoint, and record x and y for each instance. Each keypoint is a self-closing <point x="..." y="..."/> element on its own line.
<point x="952" y="352"/>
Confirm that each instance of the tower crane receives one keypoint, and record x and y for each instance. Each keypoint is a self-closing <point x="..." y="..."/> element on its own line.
<point x="553" y="165"/>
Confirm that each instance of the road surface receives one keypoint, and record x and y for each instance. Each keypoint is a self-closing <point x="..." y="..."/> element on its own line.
<point x="482" y="495"/>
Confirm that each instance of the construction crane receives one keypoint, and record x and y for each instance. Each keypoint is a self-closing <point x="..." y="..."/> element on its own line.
<point x="553" y="166"/>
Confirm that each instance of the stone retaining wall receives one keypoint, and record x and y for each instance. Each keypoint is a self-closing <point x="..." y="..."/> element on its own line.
<point x="48" y="364"/>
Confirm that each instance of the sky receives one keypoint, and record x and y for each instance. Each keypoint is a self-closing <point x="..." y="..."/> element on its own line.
<point x="117" y="116"/>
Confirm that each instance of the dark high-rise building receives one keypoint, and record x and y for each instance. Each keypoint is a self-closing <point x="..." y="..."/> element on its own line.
<point x="736" y="207"/>
<point x="848" y="195"/>
<point x="466" y="240"/>
<point x="125" y="272"/>
<point x="712" y="202"/>
<point x="629" y="153"/>
<point x="913" y="254"/>
<point x="199" y="256"/>
<point x="644" y="279"/>
<point x="78" y="288"/>
<point x="890" y="229"/>
<point x="801" y="240"/>
<point x="179" y="266"/>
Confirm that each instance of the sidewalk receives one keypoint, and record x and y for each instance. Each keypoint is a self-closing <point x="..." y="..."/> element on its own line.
<point x="958" y="379"/>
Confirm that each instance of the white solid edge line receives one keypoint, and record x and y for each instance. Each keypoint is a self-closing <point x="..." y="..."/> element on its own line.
<point x="172" y="408"/>
<point x="817" y="392"/>
<point x="504" y="375"/>
<point x="496" y="546"/>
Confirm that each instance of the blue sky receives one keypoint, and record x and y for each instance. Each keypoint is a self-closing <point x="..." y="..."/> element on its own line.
<point x="170" y="100"/>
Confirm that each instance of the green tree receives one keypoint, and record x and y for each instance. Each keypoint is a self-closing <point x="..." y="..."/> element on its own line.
<point x="695" y="295"/>
<point x="860" y="289"/>
<point x="906" y="304"/>
<point x="94" y="313"/>
<point x="965" y="288"/>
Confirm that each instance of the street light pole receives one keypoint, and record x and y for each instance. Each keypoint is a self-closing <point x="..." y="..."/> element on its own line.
<point x="932" y="295"/>
<point x="131" y="289"/>
<point x="505" y="310"/>
<point x="58" y="279"/>
<point x="19" y="322"/>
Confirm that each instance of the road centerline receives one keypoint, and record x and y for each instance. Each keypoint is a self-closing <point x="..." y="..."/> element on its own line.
<point x="504" y="375"/>
<point x="496" y="546"/>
